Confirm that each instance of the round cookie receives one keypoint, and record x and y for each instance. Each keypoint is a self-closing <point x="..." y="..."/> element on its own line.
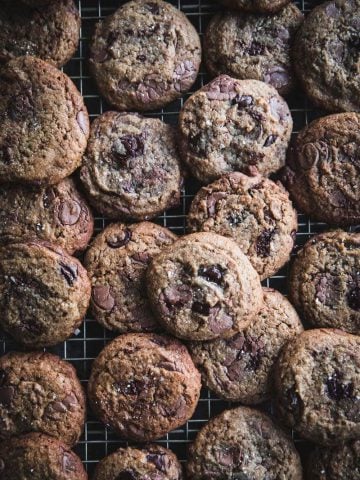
<point x="132" y="371"/>
<point x="145" y="55"/>
<point x="323" y="169"/>
<point x="243" y="443"/>
<point x="234" y="125"/>
<point x="152" y="462"/>
<point x="44" y="293"/>
<point x="317" y="379"/>
<point x="324" y="281"/>
<point x="39" y="457"/>
<point x="203" y="287"/>
<point x="131" y="169"/>
<point x="254" y="212"/>
<point x="44" y="124"/>
<point x="264" y="6"/>
<point x="250" y="46"/>
<point x="240" y="368"/>
<point x="57" y="214"/>
<point x="51" y="33"/>
<point x="116" y="262"/>
<point x="326" y="55"/>
<point x="39" y="392"/>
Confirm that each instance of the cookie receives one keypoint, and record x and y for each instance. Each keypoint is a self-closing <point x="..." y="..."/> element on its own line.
<point x="324" y="281"/>
<point x="264" y="6"/>
<point x="57" y="214"/>
<point x="51" y="33"/>
<point x="44" y="293"/>
<point x="317" y="379"/>
<point x="240" y="368"/>
<point x="39" y="457"/>
<point x="145" y="55"/>
<point x="131" y="169"/>
<point x="336" y="463"/>
<point x="44" y="124"/>
<point x="132" y="371"/>
<point x="253" y="46"/>
<point x="39" y="392"/>
<point x="234" y="125"/>
<point x="326" y="55"/>
<point x="243" y="443"/>
<point x="203" y="287"/>
<point x="323" y="170"/>
<point x="152" y="462"/>
<point x="254" y="212"/>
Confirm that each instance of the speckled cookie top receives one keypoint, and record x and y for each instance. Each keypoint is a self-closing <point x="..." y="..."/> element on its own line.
<point x="40" y="392"/>
<point x="317" y="378"/>
<point x="323" y="169"/>
<point x="264" y="6"/>
<point x="145" y="55"/>
<point x="254" y="211"/>
<point x="253" y="46"/>
<point x="131" y="168"/>
<point x="133" y="371"/>
<point x="326" y="55"/>
<point x="234" y="125"/>
<point x="44" y="124"/>
<point x="116" y="262"/>
<point x="243" y="443"/>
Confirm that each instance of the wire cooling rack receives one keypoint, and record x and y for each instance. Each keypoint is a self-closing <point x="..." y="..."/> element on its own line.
<point x="98" y="440"/>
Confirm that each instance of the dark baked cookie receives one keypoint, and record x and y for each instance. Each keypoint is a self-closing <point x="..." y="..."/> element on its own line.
<point x="243" y="443"/>
<point x="58" y="214"/>
<point x="255" y="212"/>
<point x="38" y="457"/>
<point x="326" y="55"/>
<point x="44" y="293"/>
<point x="44" y="124"/>
<point x="317" y="378"/>
<point x="132" y="371"/>
<point x="264" y="6"/>
<point x="39" y="392"/>
<point x="203" y="287"/>
<point x="116" y="262"/>
<point x="336" y="463"/>
<point x="234" y="125"/>
<point x="240" y="368"/>
<point x="253" y="46"/>
<point x="323" y="169"/>
<point x="51" y="33"/>
<point x="145" y="55"/>
<point x="131" y="169"/>
<point x="325" y="281"/>
<point x="152" y="462"/>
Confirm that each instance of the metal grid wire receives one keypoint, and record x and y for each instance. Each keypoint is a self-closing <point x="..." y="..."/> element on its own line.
<point x="98" y="440"/>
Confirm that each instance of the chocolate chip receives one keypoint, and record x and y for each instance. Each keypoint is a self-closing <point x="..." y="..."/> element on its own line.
<point x="229" y="456"/>
<point x="128" y="146"/>
<point x="353" y="299"/>
<point x="153" y="7"/>
<point x="82" y="122"/>
<point x="255" y="49"/>
<point x="277" y="77"/>
<point x="270" y="140"/>
<point x="131" y="387"/>
<point x="70" y="402"/>
<point x="69" y="212"/>
<point x="278" y="108"/>
<point x="127" y="475"/>
<point x="102" y="297"/>
<point x="69" y="272"/>
<point x="263" y="242"/>
<point x="158" y="459"/>
<point x="141" y="257"/>
<point x="6" y="395"/>
<point x="141" y="57"/>
<point x="212" y="273"/>
<point x="120" y="239"/>
<point x="177" y="296"/>
<point x="168" y="366"/>
<point x="151" y="89"/>
<point x="219" y="322"/>
<point x="212" y="201"/>
<point x="222" y="88"/>
<point x="337" y="390"/>
<point x="3" y="377"/>
<point x="243" y="101"/>
<point x="201" y="307"/>
<point x="184" y="73"/>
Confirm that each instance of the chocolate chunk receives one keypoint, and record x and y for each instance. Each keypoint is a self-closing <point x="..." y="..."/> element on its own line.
<point x="6" y="395"/>
<point x="69" y="212"/>
<point x="132" y="387"/>
<point x="158" y="459"/>
<point x="177" y="296"/>
<point x="263" y="242"/>
<point x="219" y="322"/>
<point x="68" y="464"/>
<point x="277" y="77"/>
<point x="229" y="456"/>
<point x="151" y="89"/>
<point x="255" y="49"/>
<point x="141" y="57"/>
<point x="222" y="88"/>
<point x="69" y="272"/>
<point x="212" y="200"/>
<point x="141" y="257"/>
<point x="168" y="366"/>
<point x="337" y="390"/>
<point x="270" y="140"/>
<point x="184" y="73"/>
<point x="201" y="307"/>
<point x="127" y="475"/>
<point x="82" y="121"/>
<point x="278" y="108"/>
<point x="70" y="402"/>
<point x="353" y="299"/>
<point x="327" y="289"/>
<point x="128" y="146"/>
<point x="119" y="240"/>
<point x="212" y="273"/>
<point x="243" y="101"/>
<point x="102" y="297"/>
<point x="153" y="7"/>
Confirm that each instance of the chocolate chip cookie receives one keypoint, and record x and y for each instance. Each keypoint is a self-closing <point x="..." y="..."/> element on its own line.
<point x="152" y="462"/>
<point x="131" y="169"/>
<point x="58" y="214"/>
<point x="133" y="371"/>
<point x="317" y="378"/>
<point x="39" y="457"/>
<point x="243" y="443"/>
<point x="234" y="125"/>
<point x="44" y="124"/>
<point x="264" y="6"/>
<point x="116" y="262"/>
<point x="255" y="212"/>
<point x="39" y="392"/>
<point x="51" y="32"/>
<point x="44" y="293"/>
<point x="203" y="287"/>
<point x="145" y="55"/>
<point x="253" y="46"/>
<point x="325" y="281"/>
<point x="240" y="368"/>
<point x="323" y="169"/>
<point x="326" y="55"/>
